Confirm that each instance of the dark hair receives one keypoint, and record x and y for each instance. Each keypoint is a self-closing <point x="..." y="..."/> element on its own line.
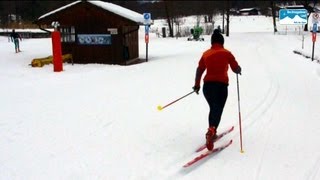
<point x="217" y="37"/>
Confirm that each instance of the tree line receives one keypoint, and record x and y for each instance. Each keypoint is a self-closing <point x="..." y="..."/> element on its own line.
<point x="174" y="9"/>
<point x="25" y="12"/>
<point x="15" y="13"/>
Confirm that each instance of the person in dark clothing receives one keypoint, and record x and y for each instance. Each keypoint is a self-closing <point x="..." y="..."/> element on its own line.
<point x="15" y="39"/>
<point x="216" y="62"/>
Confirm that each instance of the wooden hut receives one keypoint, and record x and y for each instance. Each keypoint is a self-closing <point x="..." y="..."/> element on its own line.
<point x="96" y="31"/>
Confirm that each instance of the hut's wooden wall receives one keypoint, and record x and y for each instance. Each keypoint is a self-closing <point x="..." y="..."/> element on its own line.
<point x="86" y="18"/>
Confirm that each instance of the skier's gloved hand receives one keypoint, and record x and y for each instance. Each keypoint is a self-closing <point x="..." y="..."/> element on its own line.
<point x="238" y="70"/>
<point x="196" y="89"/>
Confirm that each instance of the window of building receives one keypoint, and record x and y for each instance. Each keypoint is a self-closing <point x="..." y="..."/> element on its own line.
<point x="68" y="34"/>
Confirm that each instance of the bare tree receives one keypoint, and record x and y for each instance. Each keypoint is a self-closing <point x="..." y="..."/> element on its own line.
<point x="273" y="16"/>
<point x="168" y="18"/>
<point x="228" y="17"/>
<point x="223" y="12"/>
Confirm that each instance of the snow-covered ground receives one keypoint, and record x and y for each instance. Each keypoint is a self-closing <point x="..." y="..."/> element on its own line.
<point x="101" y="121"/>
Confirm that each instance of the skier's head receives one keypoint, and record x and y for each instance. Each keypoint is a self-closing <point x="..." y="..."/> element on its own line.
<point x="217" y="37"/>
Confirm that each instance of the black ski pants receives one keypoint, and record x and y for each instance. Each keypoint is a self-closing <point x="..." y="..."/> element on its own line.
<point x="216" y="94"/>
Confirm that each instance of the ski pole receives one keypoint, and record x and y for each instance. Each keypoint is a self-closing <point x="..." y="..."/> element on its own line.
<point x="241" y="149"/>
<point x="162" y="107"/>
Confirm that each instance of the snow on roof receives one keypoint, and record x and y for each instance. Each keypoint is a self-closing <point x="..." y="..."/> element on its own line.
<point x="121" y="11"/>
<point x="294" y="6"/>
<point x="247" y="9"/>
<point x="59" y="9"/>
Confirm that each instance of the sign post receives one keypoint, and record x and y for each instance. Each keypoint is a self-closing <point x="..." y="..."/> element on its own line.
<point x="146" y="39"/>
<point x="147" y="22"/>
<point x="315" y="21"/>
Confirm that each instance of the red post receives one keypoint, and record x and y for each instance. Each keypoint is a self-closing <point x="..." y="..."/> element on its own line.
<point x="146" y="38"/>
<point x="56" y="51"/>
<point x="314" y="36"/>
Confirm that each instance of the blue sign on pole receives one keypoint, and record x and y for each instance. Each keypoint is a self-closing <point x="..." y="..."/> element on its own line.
<point x="293" y="16"/>
<point x="147" y="18"/>
<point x="314" y="27"/>
<point x="146" y="15"/>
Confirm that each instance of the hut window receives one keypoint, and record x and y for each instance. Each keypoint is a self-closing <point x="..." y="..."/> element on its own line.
<point x="68" y="34"/>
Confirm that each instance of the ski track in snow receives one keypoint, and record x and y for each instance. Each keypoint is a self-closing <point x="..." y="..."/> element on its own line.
<point x="313" y="172"/>
<point x="272" y="99"/>
<point x="264" y="105"/>
<point x="318" y="73"/>
<point x="267" y="102"/>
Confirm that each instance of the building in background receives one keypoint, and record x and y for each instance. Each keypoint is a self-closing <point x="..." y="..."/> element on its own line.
<point x="96" y="32"/>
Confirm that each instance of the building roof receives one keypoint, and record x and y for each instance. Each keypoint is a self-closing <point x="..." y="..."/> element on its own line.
<point x="119" y="10"/>
<point x="295" y="7"/>
<point x="247" y="9"/>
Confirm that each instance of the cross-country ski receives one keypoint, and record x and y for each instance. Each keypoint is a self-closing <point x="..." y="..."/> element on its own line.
<point x="219" y="136"/>
<point x="207" y="153"/>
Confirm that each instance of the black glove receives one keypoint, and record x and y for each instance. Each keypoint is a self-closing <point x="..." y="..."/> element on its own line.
<point x="238" y="70"/>
<point x="196" y="89"/>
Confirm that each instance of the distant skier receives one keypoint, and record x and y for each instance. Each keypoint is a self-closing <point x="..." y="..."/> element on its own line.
<point x="15" y="38"/>
<point x="215" y="61"/>
<point x="219" y="29"/>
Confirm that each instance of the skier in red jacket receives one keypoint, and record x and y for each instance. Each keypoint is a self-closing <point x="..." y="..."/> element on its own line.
<point x="215" y="61"/>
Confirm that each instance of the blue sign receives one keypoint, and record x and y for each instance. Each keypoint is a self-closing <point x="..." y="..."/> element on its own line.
<point x="315" y="28"/>
<point x="147" y="18"/>
<point x="94" y="39"/>
<point x="146" y="28"/>
<point x="293" y="16"/>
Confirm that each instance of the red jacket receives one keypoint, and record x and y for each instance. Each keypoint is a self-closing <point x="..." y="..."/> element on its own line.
<point x="216" y="61"/>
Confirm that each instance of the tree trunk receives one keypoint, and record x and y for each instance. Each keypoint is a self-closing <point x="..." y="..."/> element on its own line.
<point x="223" y="20"/>
<point x="306" y="6"/>
<point x="273" y="16"/>
<point x="168" y="19"/>
<point x="228" y="18"/>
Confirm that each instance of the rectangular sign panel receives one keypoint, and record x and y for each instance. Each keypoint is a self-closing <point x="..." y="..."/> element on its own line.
<point x="293" y="16"/>
<point x="94" y="39"/>
<point x="147" y="18"/>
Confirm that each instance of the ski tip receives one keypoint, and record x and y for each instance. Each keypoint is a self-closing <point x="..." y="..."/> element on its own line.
<point x="186" y="165"/>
